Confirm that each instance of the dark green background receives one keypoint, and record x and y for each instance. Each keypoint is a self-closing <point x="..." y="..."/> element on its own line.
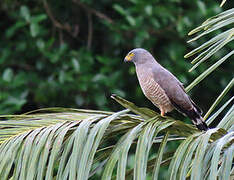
<point x="70" y="53"/>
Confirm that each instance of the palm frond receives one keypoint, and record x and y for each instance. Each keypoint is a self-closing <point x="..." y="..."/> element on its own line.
<point x="77" y="148"/>
<point x="228" y="120"/>
<point x="11" y="125"/>
<point x="222" y="3"/>
<point x="212" y="118"/>
<point x="213" y="21"/>
<point x="219" y="98"/>
<point x="148" y="114"/>
<point x="208" y="71"/>
<point x="200" y="158"/>
<point x="213" y="45"/>
<point x="158" y="161"/>
<point x="35" y="148"/>
<point x="204" y="155"/>
<point x="208" y="49"/>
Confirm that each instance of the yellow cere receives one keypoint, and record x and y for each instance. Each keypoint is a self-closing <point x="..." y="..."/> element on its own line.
<point x="129" y="56"/>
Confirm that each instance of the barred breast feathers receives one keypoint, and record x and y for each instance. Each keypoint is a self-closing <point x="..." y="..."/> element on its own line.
<point x="153" y="91"/>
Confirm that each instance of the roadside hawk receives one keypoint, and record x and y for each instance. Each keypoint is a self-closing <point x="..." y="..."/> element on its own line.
<point x="162" y="88"/>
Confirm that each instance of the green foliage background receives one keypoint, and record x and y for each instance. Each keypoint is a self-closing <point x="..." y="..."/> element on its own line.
<point x="70" y="53"/>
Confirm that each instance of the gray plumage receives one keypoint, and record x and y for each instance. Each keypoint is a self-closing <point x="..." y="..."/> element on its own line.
<point x="162" y="88"/>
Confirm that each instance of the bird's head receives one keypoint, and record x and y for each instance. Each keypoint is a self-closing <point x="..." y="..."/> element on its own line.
<point x="137" y="56"/>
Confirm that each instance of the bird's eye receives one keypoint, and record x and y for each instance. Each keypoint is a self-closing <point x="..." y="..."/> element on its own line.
<point x="129" y="56"/>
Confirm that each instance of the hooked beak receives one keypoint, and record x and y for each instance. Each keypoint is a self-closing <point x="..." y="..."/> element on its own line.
<point x="125" y="60"/>
<point x="129" y="57"/>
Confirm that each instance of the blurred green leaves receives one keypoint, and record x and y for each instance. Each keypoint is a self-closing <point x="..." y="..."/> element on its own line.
<point x="24" y="12"/>
<point x="33" y="21"/>
<point x="7" y="75"/>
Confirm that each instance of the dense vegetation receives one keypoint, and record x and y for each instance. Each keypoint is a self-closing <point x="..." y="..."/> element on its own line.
<point x="70" y="54"/>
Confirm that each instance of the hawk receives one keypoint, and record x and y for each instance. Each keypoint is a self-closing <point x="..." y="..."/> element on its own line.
<point x="162" y="88"/>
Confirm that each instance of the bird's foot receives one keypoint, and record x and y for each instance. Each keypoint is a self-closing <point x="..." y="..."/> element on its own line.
<point x="162" y="113"/>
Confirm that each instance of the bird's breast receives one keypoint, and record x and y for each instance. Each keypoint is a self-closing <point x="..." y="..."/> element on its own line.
<point x="153" y="91"/>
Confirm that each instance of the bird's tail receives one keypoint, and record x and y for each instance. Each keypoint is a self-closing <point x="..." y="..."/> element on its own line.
<point x="200" y="124"/>
<point x="195" y="115"/>
<point x="197" y="120"/>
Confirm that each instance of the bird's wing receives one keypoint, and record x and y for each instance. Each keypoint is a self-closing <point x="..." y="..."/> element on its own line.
<point x="177" y="95"/>
<point x="173" y="89"/>
<point x="197" y="108"/>
<point x="182" y="87"/>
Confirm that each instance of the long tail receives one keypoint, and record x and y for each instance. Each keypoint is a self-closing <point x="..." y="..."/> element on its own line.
<point x="197" y="119"/>
<point x="194" y="114"/>
<point x="200" y="124"/>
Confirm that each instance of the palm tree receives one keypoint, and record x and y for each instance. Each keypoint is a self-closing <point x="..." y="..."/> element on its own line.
<point x="63" y="143"/>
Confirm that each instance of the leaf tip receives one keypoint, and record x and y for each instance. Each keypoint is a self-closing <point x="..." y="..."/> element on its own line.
<point x="189" y="41"/>
<point x="222" y="3"/>
<point x="113" y="96"/>
<point x="186" y="55"/>
<point x="190" y="33"/>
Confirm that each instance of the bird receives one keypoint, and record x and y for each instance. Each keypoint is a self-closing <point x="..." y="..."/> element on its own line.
<point x="162" y="88"/>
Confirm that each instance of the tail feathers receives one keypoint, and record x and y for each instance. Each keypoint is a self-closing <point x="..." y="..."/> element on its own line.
<point x="197" y="120"/>
<point x="194" y="114"/>
<point x="200" y="124"/>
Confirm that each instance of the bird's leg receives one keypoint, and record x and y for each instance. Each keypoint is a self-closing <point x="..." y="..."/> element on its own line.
<point x="162" y="112"/>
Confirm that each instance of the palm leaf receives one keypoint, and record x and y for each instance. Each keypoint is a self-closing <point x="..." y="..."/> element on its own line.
<point x="208" y="49"/>
<point x="223" y="93"/>
<point x="196" y="156"/>
<point x="212" y="118"/>
<point x="213" y="45"/>
<point x="69" y="149"/>
<point x="159" y="157"/>
<point x="42" y="145"/>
